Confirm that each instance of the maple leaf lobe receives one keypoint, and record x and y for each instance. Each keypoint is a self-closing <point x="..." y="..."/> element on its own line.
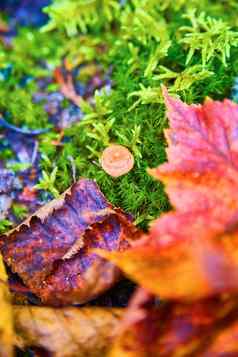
<point x="191" y="253"/>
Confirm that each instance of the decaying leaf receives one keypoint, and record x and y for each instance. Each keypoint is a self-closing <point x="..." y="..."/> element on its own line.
<point x="52" y="250"/>
<point x="192" y="253"/>
<point x="66" y="332"/>
<point x="202" y="329"/>
<point x="6" y="318"/>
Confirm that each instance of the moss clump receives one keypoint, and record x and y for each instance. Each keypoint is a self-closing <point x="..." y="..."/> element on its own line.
<point x="19" y="109"/>
<point x="176" y="43"/>
<point x="28" y="58"/>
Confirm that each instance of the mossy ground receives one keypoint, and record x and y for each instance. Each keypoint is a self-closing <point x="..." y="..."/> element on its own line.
<point x="116" y="117"/>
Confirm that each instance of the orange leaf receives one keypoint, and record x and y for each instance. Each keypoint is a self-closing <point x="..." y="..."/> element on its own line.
<point x="7" y="337"/>
<point x="202" y="329"/>
<point x="192" y="253"/>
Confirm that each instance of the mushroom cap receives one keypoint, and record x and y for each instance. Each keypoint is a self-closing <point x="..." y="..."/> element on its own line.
<point x="117" y="160"/>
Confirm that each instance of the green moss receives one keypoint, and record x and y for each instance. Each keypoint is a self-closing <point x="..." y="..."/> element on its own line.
<point x="20" y="211"/>
<point x="148" y="44"/>
<point x="6" y="154"/>
<point x="79" y="15"/>
<point x="47" y="182"/>
<point x="28" y="51"/>
<point x="5" y="225"/>
<point x="147" y="50"/>
<point x="17" y="104"/>
<point x="20" y="65"/>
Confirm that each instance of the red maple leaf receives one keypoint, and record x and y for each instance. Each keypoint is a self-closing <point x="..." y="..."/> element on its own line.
<point x="190" y="256"/>
<point x="192" y="252"/>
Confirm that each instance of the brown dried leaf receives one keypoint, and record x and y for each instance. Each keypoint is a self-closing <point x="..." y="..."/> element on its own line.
<point x="66" y="332"/>
<point x="52" y="251"/>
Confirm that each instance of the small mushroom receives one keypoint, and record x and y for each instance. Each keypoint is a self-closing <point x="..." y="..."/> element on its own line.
<point x="116" y="160"/>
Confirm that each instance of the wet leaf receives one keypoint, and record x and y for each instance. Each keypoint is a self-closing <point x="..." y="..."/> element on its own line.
<point x="6" y="319"/>
<point x="52" y="250"/>
<point x="191" y="253"/>
<point x="66" y="332"/>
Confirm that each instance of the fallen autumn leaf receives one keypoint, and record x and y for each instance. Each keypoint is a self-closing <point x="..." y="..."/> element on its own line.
<point x="66" y="332"/>
<point x="52" y="250"/>
<point x="191" y="253"/>
<point x="7" y="337"/>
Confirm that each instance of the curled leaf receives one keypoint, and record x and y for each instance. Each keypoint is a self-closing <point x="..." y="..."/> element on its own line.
<point x="66" y="332"/>
<point x="52" y="250"/>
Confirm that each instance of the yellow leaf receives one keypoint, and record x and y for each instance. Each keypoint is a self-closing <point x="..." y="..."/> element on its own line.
<point x="67" y="332"/>
<point x="6" y="317"/>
